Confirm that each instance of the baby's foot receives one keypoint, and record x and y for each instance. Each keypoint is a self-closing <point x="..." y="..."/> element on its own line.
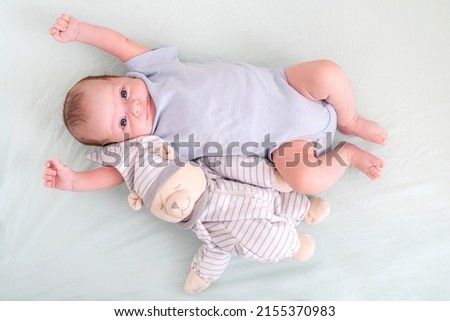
<point x="366" y="162"/>
<point x="366" y="129"/>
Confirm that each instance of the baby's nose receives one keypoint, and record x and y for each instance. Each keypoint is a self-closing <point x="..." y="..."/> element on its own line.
<point x="136" y="108"/>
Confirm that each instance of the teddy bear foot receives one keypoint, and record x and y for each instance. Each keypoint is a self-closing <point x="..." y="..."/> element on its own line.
<point x="307" y="248"/>
<point x="318" y="211"/>
<point x="194" y="284"/>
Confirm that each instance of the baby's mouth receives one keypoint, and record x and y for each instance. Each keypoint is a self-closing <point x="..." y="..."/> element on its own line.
<point x="147" y="107"/>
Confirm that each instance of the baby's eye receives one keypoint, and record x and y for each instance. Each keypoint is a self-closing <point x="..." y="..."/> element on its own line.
<point x="123" y="94"/>
<point x="123" y="122"/>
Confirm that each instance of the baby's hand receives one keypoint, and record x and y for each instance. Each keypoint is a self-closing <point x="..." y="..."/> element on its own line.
<point x="58" y="176"/>
<point x="65" y="28"/>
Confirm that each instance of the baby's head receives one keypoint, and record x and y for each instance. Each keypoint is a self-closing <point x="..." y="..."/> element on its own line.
<point x="104" y="109"/>
<point x="76" y="113"/>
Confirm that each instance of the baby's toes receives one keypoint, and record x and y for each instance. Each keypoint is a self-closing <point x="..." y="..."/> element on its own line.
<point x="378" y="163"/>
<point x="380" y="138"/>
<point x="374" y="173"/>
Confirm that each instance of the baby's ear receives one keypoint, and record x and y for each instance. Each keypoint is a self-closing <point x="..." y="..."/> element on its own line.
<point x="167" y="152"/>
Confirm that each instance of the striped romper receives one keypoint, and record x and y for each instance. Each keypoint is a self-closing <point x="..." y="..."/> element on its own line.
<point x="243" y="215"/>
<point x="240" y="213"/>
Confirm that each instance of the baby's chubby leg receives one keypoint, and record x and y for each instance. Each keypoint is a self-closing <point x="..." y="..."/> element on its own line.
<point x="324" y="80"/>
<point x="308" y="174"/>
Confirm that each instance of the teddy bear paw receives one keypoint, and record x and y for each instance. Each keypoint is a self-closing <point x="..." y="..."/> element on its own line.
<point x="307" y="248"/>
<point x="194" y="284"/>
<point x="135" y="201"/>
<point x="318" y="211"/>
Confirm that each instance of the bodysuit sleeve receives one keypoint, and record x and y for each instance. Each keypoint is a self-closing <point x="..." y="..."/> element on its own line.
<point x="250" y="170"/>
<point x="152" y="63"/>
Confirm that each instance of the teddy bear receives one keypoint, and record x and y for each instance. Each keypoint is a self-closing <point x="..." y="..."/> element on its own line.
<point x="236" y="205"/>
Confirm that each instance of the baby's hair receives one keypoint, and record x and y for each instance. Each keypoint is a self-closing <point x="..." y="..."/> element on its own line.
<point x="74" y="113"/>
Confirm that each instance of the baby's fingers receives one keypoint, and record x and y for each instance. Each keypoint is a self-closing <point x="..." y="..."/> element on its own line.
<point x="57" y="164"/>
<point x="64" y="29"/>
<point x="55" y="33"/>
<point x="48" y="164"/>
<point x="49" y="180"/>
<point x="63" y="20"/>
<point x="61" y="24"/>
<point x="50" y="172"/>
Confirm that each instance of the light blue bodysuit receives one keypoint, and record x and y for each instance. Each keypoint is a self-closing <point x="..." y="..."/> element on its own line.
<point x="217" y="109"/>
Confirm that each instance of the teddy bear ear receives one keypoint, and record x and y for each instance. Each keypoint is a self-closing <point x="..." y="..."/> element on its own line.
<point x="95" y="156"/>
<point x="109" y="155"/>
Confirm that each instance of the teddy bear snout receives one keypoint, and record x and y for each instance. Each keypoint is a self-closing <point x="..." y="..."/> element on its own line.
<point x="179" y="204"/>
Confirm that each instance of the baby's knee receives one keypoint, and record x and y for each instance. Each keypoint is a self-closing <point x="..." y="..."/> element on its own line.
<point x="328" y="70"/>
<point x="306" y="185"/>
<point x="296" y="162"/>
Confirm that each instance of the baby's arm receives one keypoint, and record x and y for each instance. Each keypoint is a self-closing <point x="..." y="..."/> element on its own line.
<point x="67" y="28"/>
<point x="62" y="177"/>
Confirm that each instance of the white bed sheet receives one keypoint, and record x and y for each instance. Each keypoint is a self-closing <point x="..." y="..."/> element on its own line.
<point x="385" y="240"/>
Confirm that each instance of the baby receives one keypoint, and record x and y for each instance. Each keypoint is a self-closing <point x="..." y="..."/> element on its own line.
<point x="288" y="116"/>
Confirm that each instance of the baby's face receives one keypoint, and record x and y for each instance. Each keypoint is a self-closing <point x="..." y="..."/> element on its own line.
<point x="118" y="109"/>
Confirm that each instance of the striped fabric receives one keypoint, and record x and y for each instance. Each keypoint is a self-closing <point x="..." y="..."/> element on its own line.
<point x="141" y="162"/>
<point x="251" y="170"/>
<point x="244" y="215"/>
<point x="246" y="220"/>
